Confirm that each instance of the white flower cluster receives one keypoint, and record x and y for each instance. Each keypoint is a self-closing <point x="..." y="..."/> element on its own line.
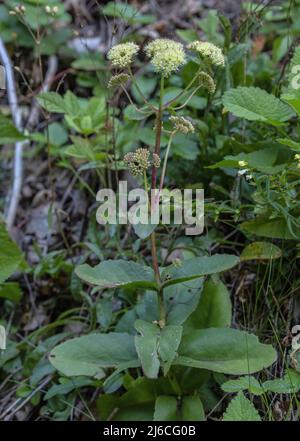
<point x="122" y="54"/>
<point x="209" y="52"/>
<point x="165" y="55"/>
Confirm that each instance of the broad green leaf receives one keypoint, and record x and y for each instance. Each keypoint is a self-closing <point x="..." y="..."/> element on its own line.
<point x="53" y="102"/>
<point x="67" y="387"/>
<point x="272" y="228"/>
<point x="289" y="384"/>
<point x="191" y="379"/>
<point x="137" y="403"/>
<point x="127" y="13"/>
<point x="295" y="146"/>
<point x="224" y="350"/>
<point x="241" y="409"/>
<point x="11" y="257"/>
<point x="185" y="148"/>
<point x="133" y="115"/>
<point x="198" y="267"/>
<point x="192" y="409"/>
<point x="248" y="383"/>
<point x="156" y="346"/>
<point x="90" y="354"/>
<point x="213" y="310"/>
<point x="262" y="160"/>
<point x="293" y="100"/>
<point x="181" y="300"/>
<point x="117" y="273"/>
<point x="165" y="409"/>
<point x="144" y="230"/>
<point x="187" y="35"/>
<point x="104" y="312"/>
<point x="170" y="337"/>
<point x="256" y="104"/>
<point x="146" y="344"/>
<point x="8" y="132"/>
<point x="11" y="291"/>
<point x="147" y="307"/>
<point x="89" y="61"/>
<point x="260" y="251"/>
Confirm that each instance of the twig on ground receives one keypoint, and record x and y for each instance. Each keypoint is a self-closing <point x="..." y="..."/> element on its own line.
<point x="17" y="119"/>
<point x="50" y="74"/>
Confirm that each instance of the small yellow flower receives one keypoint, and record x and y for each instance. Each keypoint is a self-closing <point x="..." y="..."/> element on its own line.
<point x="122" y="54"/>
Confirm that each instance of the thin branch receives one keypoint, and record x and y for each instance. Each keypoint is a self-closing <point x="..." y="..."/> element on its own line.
<point x="50" y="75"/>
<point x="17" y="118"/>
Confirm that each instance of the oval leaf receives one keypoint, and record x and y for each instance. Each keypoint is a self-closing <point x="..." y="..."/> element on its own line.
<point x="87" y="355"/>
<point x="224" y="350"/>
<point x="256" y="104"/>
<point x="261" y="251"/>
<point x="116" y="273"/>
<point x="198" y="267"/>
<point x="213" y="310"/>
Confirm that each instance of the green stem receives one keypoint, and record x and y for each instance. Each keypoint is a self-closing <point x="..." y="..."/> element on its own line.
<point x="153" y="184"/>
<point x="146" y="182"/>
<point x="140" y="91"/>
<point x="131" y="101"/>
<point x="162" y="311"/>
<point x="183" y="91"/>
<point x="163" y="173"/>
<point x="188" y="99"/>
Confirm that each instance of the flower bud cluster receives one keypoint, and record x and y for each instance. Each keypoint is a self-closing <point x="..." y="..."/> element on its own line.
<point x="118" y="80"/>
<point x="138" y="162"/>
<point x="182" y="125"/>
<point x="206" y="81"/>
